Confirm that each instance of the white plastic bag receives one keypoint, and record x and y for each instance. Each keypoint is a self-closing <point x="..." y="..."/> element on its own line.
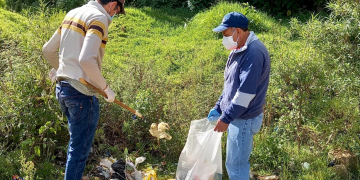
<point x="201" y="157"/>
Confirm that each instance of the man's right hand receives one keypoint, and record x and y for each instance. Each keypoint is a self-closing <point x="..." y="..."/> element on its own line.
<point x="110" y="94"/>
<point x="213" y="115"/>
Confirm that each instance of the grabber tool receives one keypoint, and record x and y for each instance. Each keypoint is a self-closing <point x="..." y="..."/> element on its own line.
<point x="104" y="94"/>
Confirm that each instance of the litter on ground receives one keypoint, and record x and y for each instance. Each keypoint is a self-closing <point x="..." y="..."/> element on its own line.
<point x="113" y="169"/>
<point x="159" y="130"/>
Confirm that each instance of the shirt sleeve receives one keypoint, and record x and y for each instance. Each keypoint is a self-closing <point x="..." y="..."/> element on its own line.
<point x="250" y="74"/>
<point x="90" y="51"/>
<point x="217" y="104"/>
<point x="50" y="49"/>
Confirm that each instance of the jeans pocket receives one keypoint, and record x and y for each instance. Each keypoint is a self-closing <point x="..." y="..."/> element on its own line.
<point x="74" y="107"/>
<point x="256" y="124"/>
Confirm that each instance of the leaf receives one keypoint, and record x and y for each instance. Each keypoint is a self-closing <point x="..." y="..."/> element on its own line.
<point x="126" y="152"/>
<point x="53" y="130"/>
<point x="27" y="141"/>
<point x="37" y="150"/>
<point x="42" y="129"/>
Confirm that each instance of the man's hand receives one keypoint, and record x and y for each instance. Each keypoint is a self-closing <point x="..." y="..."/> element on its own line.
<point x="52" y="75"/>
<point x="110" y="94"/>
<point x="221" y="126"/>
<point x="213" y="115"/>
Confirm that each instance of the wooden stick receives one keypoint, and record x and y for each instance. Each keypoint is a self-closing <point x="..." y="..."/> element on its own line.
<point x="104" y="94"/>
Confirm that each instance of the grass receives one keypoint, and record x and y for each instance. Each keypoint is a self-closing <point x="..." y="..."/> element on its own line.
<point x="168" y="64"/>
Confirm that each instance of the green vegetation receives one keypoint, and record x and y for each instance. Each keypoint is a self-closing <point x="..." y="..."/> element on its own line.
<point x="275" y="7"/>
<point x="168" y="64"/>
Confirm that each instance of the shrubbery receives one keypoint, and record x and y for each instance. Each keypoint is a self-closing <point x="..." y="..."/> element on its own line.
<point x="276" y="7"/>
<point x="30" y="121"/>
<point x="2" y="4"/>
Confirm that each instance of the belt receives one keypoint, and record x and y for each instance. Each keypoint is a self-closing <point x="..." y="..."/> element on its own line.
<point x="62" y="82"/>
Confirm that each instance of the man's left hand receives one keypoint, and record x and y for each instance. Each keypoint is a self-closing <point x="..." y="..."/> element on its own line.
<point x="52" y="75"/>
<point x="221" y="126"/>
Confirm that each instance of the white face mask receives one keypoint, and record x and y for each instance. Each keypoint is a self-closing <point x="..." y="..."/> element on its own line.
<point x="112" y="17"/>
<point x="229" y="42"/>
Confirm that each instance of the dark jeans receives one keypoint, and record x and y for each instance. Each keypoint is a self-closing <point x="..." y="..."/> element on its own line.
<point x="82" y="112"/>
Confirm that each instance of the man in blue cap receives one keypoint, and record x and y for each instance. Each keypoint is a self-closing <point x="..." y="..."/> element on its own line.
<point x="239" y="109"/>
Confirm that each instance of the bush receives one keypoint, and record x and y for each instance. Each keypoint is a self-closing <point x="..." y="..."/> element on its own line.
<point x="32" y="121"/>
<point x="287" y="8"/>
<point x="2" y="4"/>
<point x="276" y="7"/>
<point x="19" y="5"/>
<point x="193" y="5"/>
<point x="68" y="5"/>
<point x="10" y="163"/>
<point x="155" y="3"/>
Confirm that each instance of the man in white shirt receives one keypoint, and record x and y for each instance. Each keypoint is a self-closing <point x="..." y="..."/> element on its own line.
<point x="76" y="51"/>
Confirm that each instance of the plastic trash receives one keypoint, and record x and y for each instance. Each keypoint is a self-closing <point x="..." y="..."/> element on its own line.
<point x="131" y="165"/>
<point x="305" y="165"/>
<point x="139" y="160"/>
<point x="159" y="130"/>
<point x="272" y="177"/>
<point x="119" y="168"/>
<point x="200" y="158"/>
<point x="105" y="167"/>
<point x="150" y="174"/>
<point x="129" y="177"/>
<point x="107" y="162"/>
<point x="135" y="174"/>
<point x="104" y="172"/>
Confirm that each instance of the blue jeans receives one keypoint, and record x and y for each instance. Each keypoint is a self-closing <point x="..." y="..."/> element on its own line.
<point x="239" y="146"/>
<point x="82" y="112"/>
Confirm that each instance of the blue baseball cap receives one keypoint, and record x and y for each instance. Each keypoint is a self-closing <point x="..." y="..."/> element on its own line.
<point x="233" y="19"/>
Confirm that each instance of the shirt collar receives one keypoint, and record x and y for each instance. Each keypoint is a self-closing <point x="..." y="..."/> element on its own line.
<point x="95" y="4"/>
<point x="252" y="37"/>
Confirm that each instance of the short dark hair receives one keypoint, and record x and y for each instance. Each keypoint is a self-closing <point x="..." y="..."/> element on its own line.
<point x="104" y="2"/>
<point x="244" y="29"/>
<point x="118" y="2"/>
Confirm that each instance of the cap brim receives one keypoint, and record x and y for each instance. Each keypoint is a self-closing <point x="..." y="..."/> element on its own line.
<point x="220" y="28"/>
